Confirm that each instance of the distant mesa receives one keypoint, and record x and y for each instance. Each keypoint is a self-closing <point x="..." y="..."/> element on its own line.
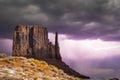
<point x="33" y="42"/>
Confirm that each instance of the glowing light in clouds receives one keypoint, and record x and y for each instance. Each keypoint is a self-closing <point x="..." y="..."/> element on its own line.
<point x="86" y="48"/>
<point x="99" y="44"/>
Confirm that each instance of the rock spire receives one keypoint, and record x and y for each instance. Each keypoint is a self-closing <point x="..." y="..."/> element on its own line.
<point x="57" y="52"/>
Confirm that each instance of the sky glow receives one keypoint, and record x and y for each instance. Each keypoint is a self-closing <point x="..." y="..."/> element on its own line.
<point x="91" y="48"/>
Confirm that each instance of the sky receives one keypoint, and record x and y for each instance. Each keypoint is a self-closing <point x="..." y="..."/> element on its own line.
<point x="89" y="31"/>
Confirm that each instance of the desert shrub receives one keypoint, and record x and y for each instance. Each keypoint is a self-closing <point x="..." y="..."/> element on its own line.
<point x="2" y="55"/>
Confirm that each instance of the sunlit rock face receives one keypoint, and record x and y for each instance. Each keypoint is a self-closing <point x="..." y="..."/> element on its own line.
<point x="33" y="42"/>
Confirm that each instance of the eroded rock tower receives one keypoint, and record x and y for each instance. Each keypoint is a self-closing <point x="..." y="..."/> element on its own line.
<point x="32" y="41"/>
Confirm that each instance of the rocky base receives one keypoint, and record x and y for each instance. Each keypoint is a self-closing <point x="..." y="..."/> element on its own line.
<point x="65" y="68"/>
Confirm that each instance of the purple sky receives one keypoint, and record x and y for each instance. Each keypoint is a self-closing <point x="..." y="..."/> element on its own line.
<point x="89" y="30"/>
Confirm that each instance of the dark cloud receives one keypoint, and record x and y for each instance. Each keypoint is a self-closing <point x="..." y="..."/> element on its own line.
<point x="80" y="19"/>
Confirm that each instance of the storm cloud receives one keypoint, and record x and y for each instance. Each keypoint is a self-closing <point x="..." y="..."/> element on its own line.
<point x="79" y="19"/>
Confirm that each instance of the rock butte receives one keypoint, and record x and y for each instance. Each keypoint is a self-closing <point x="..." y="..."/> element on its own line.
<point x="33" y="42"/>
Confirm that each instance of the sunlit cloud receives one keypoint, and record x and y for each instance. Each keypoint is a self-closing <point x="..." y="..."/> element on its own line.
<point x="90" y="48"/>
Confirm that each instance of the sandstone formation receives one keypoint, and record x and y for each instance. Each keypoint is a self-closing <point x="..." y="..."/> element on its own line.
<point x="33" y="42"/>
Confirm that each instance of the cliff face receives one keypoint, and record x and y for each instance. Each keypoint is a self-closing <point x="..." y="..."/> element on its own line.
<point x="33" y="42"/>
